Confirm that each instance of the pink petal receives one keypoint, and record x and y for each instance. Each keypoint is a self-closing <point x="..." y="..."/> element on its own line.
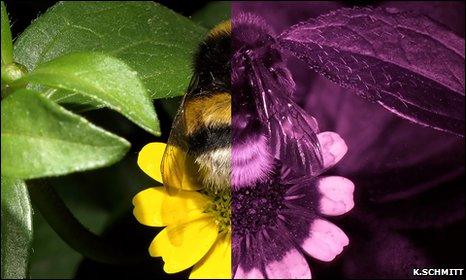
<point x="333" y="148"/>
<point x="325" y="240"/>
<point x="337" y="195"/>
<point x="252" y="274"/>
<point x="292" y="266"/>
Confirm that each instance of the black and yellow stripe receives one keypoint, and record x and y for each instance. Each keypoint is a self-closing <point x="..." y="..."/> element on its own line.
<point x="208" y="122"/>
<point x="208" y="101"/>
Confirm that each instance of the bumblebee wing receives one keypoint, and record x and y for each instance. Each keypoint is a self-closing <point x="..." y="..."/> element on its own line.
<point x="179" y="171"/>
<point x="293" y="133"/>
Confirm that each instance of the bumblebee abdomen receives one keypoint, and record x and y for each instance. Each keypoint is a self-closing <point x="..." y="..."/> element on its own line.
<point x="210" y="110"/>
<point x="208" y="127"/>
<point x="207" y="108"/>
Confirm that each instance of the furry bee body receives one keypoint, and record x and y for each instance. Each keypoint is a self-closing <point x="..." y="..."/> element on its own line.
<point x="235" y="141"/>
<point x="207" y="109"/>
<point x="231" y="150"/>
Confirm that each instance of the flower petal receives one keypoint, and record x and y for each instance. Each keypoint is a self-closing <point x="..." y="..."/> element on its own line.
<point x="148" y="206"/>
<point x="183" y="206"/>
<point x="184" y="245"/>
<point x="150" y="160"/>
<point x="293" y="265"/>
<point x="217" y="263"/>
<point x="155" y="207"/>
<point x="248" y="255"/>
<point x="337" y="195"/>
<point x="251" y="274"/>
<point x="333" y="148"/>
<point x="180" y="170"/>
<point x="325" y="240"/>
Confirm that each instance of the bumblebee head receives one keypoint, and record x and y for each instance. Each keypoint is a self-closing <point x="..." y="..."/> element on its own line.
<point x="251" y="32"/>
<point x="254" y="40"/>
<point x="223" y="28"/>
<point x="212" y="61"/>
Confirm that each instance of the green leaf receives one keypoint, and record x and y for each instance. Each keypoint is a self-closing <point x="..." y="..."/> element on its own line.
<point x="69" y="99"/>
<point x="153" y="40"/>
<point x="213" y="13"/>
<point x="53" y="258"/>
<point x="103" y="79"/>
<point x="7" y="42"/>
<point x="16" y="229"/>
<point x="107" y="193"/>
<point x="40" y="138"/>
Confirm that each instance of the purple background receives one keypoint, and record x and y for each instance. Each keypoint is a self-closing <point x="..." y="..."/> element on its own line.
<point x="409" y="196"/>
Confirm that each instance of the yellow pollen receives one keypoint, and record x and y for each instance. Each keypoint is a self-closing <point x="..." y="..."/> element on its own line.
<point x="220" y="208"/>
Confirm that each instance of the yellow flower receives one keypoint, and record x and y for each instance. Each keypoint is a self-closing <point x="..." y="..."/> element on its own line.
<point x="197" y="225"/>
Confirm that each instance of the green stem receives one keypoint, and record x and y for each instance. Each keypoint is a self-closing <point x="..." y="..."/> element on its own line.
<point x="65" y="224"/>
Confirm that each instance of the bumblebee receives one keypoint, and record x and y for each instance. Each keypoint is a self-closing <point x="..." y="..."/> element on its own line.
<point x="198" y="152"/>
<point x="209" y="146"/>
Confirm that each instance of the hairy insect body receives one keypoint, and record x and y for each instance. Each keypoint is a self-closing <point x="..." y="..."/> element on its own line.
<point x="237" y="118"/>
<point x="202" y="128"/>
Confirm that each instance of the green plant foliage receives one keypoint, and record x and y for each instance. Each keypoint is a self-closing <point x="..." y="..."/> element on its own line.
<point x="213" y="13"/>
<point x="7" y="43"/>
<point x="16" y="229"/>
<point x="153" y="40"/>
<point x="103" y="79"/>
<point x="104" y="194"/>
<point x="52" y="257"/>
<point x="86" y="55"/>
<point x="40" y="138"/>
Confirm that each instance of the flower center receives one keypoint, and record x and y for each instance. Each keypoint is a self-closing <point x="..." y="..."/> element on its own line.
<point x="248" y="209"/>
<point x="220" y="208"/>
<point x="256" y="207"/>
